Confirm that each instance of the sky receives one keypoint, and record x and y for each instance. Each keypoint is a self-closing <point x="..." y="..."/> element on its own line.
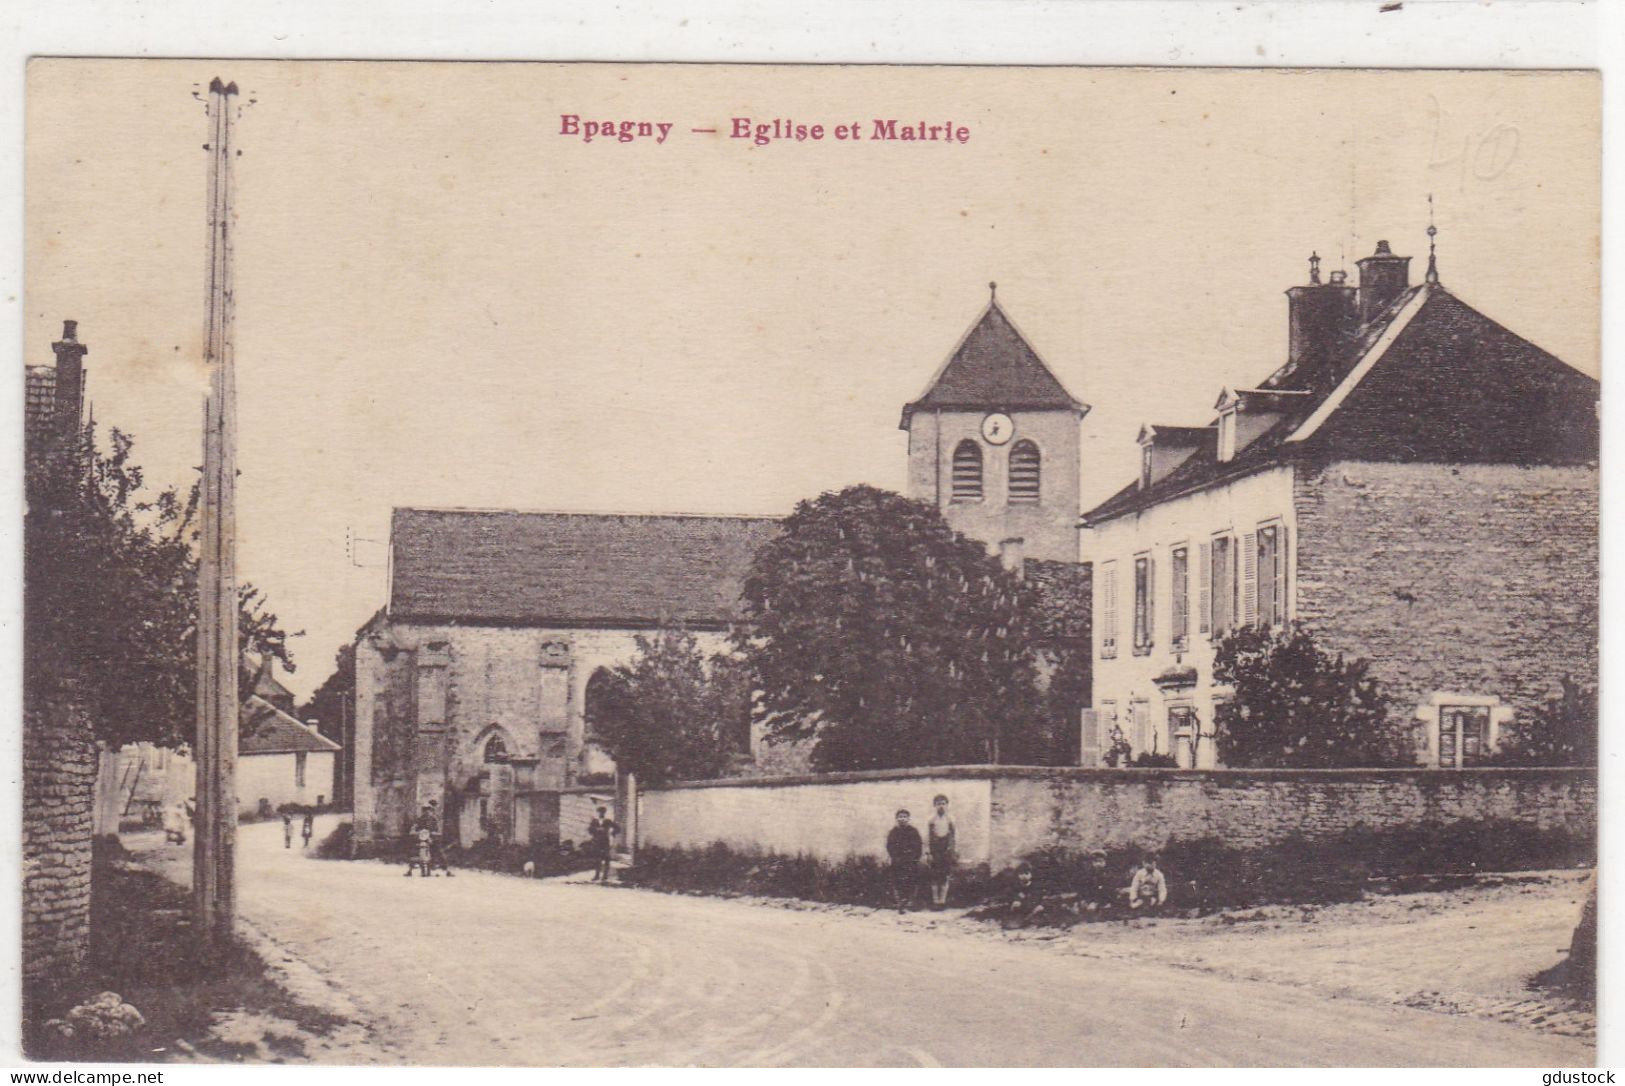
<point x="444" y="299"/>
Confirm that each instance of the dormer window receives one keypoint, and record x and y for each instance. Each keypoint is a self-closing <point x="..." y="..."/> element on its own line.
<point x="1145" y="466"/>
<point x="1227" y="436"/>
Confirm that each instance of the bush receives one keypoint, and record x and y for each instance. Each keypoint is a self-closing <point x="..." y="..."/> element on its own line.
<point x="338" y="845"/>
<point x="719" y="869"/>
<point x="1205" y="874"/>
<point x="1562" y="732"/>
<point x="1297" y="705"/>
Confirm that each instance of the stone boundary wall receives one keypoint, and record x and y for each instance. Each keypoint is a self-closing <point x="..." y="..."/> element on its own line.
<point x="1006" y="812"/>
<point x="59" y="784"/>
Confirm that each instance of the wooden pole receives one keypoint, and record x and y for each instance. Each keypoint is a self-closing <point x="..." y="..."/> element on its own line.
<point x="214" y="847"/>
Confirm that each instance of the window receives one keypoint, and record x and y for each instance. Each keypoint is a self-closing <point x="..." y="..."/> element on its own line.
<point x="967" y="481"/>
<point x="1464" y="735"/>
<point x="1227" y="436"/>
<point x="1144" y="570"/>
<point x="1223" y="579"/>
<point x="1145" y="467"/>
<point x="1271" y="575"/>
<point x="496" y="751"/>
<point x="1140" y="722"/>
<point x="1179" y="566"/>
<point x="1024" y="473"/>
<point x="1108" y="610"/>
<point x="299" y="769"/>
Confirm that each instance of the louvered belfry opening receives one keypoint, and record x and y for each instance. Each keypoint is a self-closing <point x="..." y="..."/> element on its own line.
<point x="1024" y="473"/>
<point x="967" y="486"/>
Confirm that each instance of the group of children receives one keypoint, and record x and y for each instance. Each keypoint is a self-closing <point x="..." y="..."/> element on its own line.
<point x="906" y="848"/>
<point x="306" y="829"/>
<point x="1146" y="893"/>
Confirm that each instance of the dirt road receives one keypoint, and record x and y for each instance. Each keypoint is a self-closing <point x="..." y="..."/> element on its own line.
<point x="487" y="969"/>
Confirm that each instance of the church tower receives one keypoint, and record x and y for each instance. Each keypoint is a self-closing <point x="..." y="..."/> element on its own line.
<point x="993" y="441"/>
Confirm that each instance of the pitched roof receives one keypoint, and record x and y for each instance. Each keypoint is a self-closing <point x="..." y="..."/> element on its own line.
<point x="268" y="730"/>
<point x="1427" y="379"/>
<point x="994" y="368"/>
<point x="570" y="569"/>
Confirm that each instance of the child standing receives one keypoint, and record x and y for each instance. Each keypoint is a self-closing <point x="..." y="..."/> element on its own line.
<point x="943" y="846"/>
<point x="904" y="846"/>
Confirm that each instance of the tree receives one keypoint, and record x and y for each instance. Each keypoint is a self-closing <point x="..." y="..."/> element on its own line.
<point x="891" y="640"/>
<point x="1563" y="731"/>
<point x="1295" y="704"/>
<point x="110" y="592"/>
<point x="334" y="699"/>
<point x="670" y="714"/>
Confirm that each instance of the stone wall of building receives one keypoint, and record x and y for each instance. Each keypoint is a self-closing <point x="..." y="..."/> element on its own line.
<point x="1005" y="813"/>
<point x="59" y="783"/>
<point x="1476" y="579"/>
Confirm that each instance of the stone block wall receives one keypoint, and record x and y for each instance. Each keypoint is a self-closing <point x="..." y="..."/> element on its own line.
<point x="59" y="783"/>
<point x="1477" y="579"/>
<point x="1005" y="813"/>
<point x="833" y="817"/>
<point x="1087" y="809"/>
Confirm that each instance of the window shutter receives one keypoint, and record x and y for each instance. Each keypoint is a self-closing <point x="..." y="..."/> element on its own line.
<point x="1141" y="714"/>
<point x="1249" y="579"/>
<point x="1204" y="579"/>
<point x="1024" y="473"/>
<point x="1150" y="601"/>
<point x="1089" y="741"/>
<point x="967" y="476"/>
<point x="1282" y="557"/>
<point x="1108" y="610"/>
<point x="1180" y="606"/>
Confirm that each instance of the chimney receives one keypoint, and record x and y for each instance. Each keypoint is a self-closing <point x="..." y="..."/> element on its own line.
<point x="1320" y="317"/>
<point x="70" y="377"/>
<point x="312" y="725"/>
<point x="1012" y="554"/>
<point x="1383" y="277"/>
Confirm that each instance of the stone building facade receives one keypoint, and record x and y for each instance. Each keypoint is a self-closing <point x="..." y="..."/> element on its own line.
<point x="473" y="684"/>
<point x="1417" y="484"/>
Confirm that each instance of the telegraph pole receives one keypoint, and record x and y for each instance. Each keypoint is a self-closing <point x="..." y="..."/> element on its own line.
<point x="214" y="883"/>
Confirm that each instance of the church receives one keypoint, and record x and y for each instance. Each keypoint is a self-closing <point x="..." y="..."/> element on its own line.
<point x="474" y="681"/>
<point x="1416" y="483"/>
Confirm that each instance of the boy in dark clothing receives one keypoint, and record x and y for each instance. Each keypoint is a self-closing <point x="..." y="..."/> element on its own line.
<point x="601" y="831"/>
<point x="1095" y="891"/>
<point x="904" y="846"/>
<point x="1026" y="902"/>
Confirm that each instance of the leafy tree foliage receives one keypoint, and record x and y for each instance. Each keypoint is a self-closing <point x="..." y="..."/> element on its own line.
<point x="895" y="641"/>
<point x="670" y="714"/>
<point x="1296" y="704"/>
<point x="334" y="698"/>
<point x="1561" y="732"/>
<point x="110" y="592"/>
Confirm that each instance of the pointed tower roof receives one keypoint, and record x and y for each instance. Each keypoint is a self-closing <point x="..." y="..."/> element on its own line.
<point x="994" y="368"/>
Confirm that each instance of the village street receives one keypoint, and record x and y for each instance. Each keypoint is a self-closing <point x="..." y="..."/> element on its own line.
<point x="489" y="969"/>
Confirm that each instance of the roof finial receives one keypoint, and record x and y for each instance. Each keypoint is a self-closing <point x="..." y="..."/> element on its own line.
<point x="1433" y="262"/>
<point x="993" y="292"/>
<point x="1314" y="268"/>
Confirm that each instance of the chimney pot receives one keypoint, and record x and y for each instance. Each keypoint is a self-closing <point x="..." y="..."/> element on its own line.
<point x="1383" y="250"/>
<point x="70" y="331"/>
<point x="1012" y="556"/>
<point x="1339" y="278"/>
